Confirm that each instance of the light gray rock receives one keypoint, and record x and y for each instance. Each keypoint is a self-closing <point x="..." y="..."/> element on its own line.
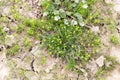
<point x="100" y="61"/>
<point x="4" y="69"/>
<point x="6" y="10"/>
<point x="92" y="66"/>
<point x="117" y="7"/>
<point x="50" y="67"/>
<point x="116" y="4"/>
<point x="95" y="29"/>
<point x="36" y="51"/>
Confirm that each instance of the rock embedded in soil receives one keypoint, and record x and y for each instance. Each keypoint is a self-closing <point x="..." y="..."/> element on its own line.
<point x="4" y="69"/>
<point x="100" y="61"/>
<point x="117" y="8"/>
<point x="92" y="66"/>
<point x="95" y="29"/>
<point x="116" y="4"/>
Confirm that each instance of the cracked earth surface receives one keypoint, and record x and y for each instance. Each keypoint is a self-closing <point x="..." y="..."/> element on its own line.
<point x="115" y="50"/>
<point x="34" y="63"/>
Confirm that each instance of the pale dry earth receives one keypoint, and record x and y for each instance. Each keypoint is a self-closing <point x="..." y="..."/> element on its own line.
<point x="31" y="66"/>
<point x="115" y="50"/>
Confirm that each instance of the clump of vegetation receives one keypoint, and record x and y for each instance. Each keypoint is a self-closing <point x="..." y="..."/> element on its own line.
<point x="13" y="50"/>
<point x="20" y="28"/>
<point x="65" y="34"/>
<point x="26" y="42"/>
<point x="2" y="34"/>
<point x="15" y="13"/>
<point x="33" y="27"/>
<point x="114" y="39"/>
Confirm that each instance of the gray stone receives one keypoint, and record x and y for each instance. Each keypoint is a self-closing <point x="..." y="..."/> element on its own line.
<point x="100" y="61"/>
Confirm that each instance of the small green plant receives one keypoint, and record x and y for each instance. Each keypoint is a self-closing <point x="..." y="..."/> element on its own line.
<point x="113" y="61"/>
<point x="94" y="18"/>
<point x="13" y="50"/>
<point x="43" y="59"/>
<point x="26" y="42"/>
<point x="22" y="72"/>
<point x="112" y="26"/>
<point x="2" y="34"/>
<point x="114" y="39"/>
<point x="20" y="28"/>
<point x="16" y="1"/>
<point x="16" y="15"/>
<point x="33" y="27"/>
<point x="100" y="71"/>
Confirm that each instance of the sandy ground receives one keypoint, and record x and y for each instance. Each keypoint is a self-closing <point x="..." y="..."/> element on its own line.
<point x="115" y="50"/>
<point x="53" y="69"/>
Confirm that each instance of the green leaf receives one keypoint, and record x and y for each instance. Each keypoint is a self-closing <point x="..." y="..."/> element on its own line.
<point x="51" y="7"/>
<point x="79" y="16"/>
<point x="63" y="15"/>
<point x="57" y="2"/>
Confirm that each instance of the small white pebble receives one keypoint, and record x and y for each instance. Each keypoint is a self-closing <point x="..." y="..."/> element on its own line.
<point x="95" y="29"/>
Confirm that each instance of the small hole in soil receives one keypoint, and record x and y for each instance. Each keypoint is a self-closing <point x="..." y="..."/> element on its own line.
<point x="102" y="24"/>
<point x="20" y="7"/>
<point x="118" y="23"/>
<point x="0" y="49"/>
<point x="30" y="49"/>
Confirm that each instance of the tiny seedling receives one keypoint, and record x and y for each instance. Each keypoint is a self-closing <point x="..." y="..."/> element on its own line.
<point x="114" y="39"/>
<point x="13" y="50"/>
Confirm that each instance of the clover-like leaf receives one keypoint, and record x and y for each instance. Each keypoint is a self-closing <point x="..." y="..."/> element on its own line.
<point x="79" y="16"/>
<point x="63" y="15"/>
<point x="57" y="2"/>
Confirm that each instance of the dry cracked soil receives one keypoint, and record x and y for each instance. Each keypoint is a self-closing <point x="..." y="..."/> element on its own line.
<point x="34" y="63"/>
